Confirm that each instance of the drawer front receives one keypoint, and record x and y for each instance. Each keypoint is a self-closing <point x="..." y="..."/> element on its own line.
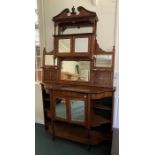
<point x="70" y="94"/>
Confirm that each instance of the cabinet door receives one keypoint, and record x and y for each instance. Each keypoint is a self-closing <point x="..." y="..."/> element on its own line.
<point x="60" y="107"/>
<point x="77" y="110"/>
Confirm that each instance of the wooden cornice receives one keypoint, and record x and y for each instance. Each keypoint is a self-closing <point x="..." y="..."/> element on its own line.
<point x="67" y="16"/>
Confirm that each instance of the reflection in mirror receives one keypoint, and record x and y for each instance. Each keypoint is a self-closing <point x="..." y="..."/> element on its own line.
<point x="64" y="46"/>
<point x="75" y="30"/>
<point x="81" y="45"/>
<point x="60" y="107"/>
<point x="75" y="70"/>
<point x="49" y="60"/>
<point x="103" y="61"/>
<point x="77" y="110"/>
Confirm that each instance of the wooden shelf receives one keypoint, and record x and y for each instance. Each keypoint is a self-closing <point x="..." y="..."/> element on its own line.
<point x="101" y="106"/>
<point x="71" y="132"/>
<point x="99" y="120"/>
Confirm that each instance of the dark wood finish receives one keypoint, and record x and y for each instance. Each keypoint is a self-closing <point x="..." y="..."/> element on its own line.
<point x="68" y="96"/>
<point x="98" y="120"/>
<point x="46" y="106"/>
<point x="50" y="74"/>
<point x="89" y="95"/>
<point x="104" y="78"/>
<point x="73" y="53"/>
<point x="79" y="134"/>
<point x="81" y="19"/>
<point x="99" y="106"/>
<point x="97" y="93"/>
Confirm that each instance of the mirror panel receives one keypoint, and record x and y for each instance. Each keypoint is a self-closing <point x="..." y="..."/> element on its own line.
<point x="64" y="46"/>
<point x="75" y="70"/>
<point x="56" y="61"/>
<point x="61" y="107"/>
<point x="75" y="30"/>
<point x="49" y="60"/>
<point x="103" y="60"/>
<point x="81" y="45"/>
<point x="77" y="110"/>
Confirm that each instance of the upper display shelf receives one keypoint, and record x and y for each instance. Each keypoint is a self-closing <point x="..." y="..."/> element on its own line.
<point x="82" y="18"/>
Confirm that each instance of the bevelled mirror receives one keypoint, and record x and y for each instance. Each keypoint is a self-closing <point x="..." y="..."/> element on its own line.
<point x="64" y="46"/>
<point x="81" y="45"/>
<point x="103" y="61"/>
<point x="49" y="60"/>
<point x="77" y="30"/>
<point x="77" y="110"/>
<point x="75" y="71"/>
<point x="61" y="108"/>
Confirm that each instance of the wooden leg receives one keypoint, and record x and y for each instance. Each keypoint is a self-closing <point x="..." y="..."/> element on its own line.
<point x="53" y="130"/>
<point x="88" y="144"/>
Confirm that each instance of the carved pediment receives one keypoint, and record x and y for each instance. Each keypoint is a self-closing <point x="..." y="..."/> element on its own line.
<point x="72" y="16"/>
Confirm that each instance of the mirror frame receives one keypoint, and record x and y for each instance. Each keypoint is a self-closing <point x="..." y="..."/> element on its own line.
<point x="94" y="62"/>
<point x="52" y="60"/>
<point x="57" y="45"/>
<point x="89" y="43"/>
<point x="72" y="46"/>
<point x="85" y="111"/>
<point x="58" y="117"/>
<point x="73" y="81"/>
<point x="69" y="49"/>
<point x="55" y="60"/>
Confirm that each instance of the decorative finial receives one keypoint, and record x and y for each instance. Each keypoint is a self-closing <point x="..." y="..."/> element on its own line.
<point x="73" y="11"/>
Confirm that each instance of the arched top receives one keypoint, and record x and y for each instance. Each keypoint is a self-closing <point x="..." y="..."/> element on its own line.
<point x="83" y="15"/>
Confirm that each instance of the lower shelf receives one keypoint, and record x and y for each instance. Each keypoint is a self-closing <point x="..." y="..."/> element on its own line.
<point x="99" y="120"/>
<point x="78" y="134"/>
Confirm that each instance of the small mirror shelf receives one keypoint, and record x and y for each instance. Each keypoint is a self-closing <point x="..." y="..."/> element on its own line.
<point x="75" y="71"/>
<point x="64" y="46"/>
<point x="103" y="61"/>
<point x="50" y="61"/>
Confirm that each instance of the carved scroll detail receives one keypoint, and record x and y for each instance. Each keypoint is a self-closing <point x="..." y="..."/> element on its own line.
<point x="83" y="13"/>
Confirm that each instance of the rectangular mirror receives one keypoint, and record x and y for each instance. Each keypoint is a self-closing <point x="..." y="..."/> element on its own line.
<point x="81" y="45"/>
<point x="75" y="30"/>
<point x="61" y="108"/>
<point x="49" y="60"/>
<point x="75" y="70"/>
<point x="77" y="110"/>
<point x="103" y="60"/>
<point x="64" y="46"/>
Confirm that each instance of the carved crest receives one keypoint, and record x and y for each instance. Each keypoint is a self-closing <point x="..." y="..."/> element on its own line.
<point x="82" y="14"/>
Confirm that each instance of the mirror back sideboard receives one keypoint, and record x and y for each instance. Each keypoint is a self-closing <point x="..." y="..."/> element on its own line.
<point x="78" y="80"/>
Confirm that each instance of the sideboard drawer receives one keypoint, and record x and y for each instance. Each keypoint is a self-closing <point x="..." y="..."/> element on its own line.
<point x="70" y="94"/>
